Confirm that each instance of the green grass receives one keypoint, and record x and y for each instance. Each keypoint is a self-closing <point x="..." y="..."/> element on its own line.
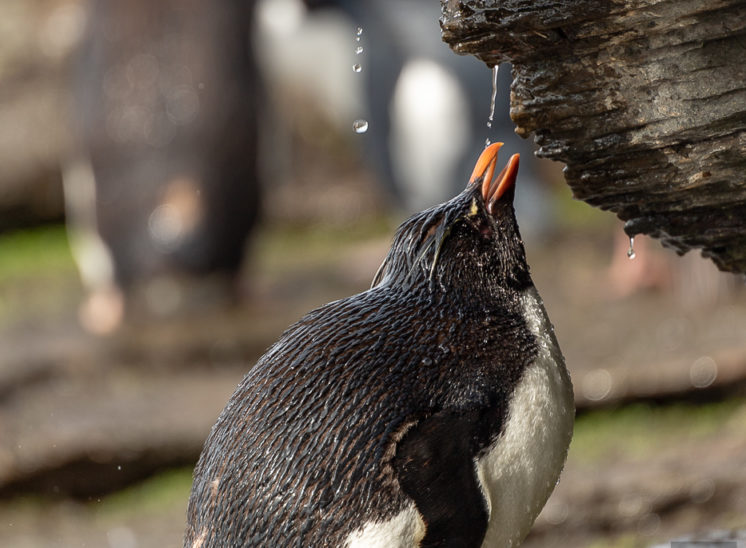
<point x="167" y="489"/>
<point x="322" y="236"/>
<point x="280" y="247"/>
<point x="574" y="214"/>
<point x="38" y="278"/>
<point x="36" y="252"/>
<point x="642" y="429"/>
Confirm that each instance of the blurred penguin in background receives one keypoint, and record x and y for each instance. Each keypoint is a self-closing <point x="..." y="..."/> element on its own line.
<point x="428" y="108"/>
<point x="164" y="187"/>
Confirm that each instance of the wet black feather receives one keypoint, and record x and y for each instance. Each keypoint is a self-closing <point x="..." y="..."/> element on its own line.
<point x="328" y="430"/>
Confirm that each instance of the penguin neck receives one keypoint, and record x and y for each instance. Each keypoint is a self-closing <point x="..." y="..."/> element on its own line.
<point x="511" y="268"/>
<point x="479" y="287"/>
<point x="510" y="271"/>
<point x="505" y="273"/>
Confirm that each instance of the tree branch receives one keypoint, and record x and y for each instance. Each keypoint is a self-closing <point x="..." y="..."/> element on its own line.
<point x="644" y="100"/>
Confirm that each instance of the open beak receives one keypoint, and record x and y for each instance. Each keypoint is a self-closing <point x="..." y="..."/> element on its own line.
<point x="485" y="168"/>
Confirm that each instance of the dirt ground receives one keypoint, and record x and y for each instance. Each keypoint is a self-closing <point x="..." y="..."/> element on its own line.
<point x="116" y="422"/>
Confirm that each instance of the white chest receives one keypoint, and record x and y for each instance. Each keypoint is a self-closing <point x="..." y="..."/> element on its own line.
<point x="521" y="469"/>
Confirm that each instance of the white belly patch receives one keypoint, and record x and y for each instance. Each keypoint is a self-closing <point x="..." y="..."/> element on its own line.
<point x="404" y="530"/>
<point x="519" y="472"/>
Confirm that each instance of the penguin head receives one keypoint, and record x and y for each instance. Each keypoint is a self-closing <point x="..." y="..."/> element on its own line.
<point x="470" y="243"/>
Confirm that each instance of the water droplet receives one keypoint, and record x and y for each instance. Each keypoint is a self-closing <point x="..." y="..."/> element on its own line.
<point x="487" y="142"/>
<point x="356" y="67"/>
<point x="596" y="385"/>
<point x="702" y="491"/>
<point x="359" y="50"/>
<point x="631" y="251"/>
<point x="493" y="98"/>
<point x="359" y="31"/>
<point x="357" y="38"/>
<point x="427" y="361"/>
<point x="703" y="372"/>
<point x="360" y="126"/>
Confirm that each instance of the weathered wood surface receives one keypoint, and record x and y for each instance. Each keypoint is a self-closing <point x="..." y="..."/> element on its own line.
<point x="644" y="100"/>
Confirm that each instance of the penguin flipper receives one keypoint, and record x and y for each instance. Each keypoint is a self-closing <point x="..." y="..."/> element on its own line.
<point x="435" y="468"/>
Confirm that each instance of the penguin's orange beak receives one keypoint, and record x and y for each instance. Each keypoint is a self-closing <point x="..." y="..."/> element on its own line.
<point x="485" y="168"/>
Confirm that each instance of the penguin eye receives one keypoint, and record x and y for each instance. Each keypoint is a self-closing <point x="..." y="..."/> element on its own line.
<point x="484" y="228"/>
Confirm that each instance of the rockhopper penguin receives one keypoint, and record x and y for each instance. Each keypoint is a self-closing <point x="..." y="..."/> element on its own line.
<point x="434" y="409"/>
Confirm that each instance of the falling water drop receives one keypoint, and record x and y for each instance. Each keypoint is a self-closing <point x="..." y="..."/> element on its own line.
<point x="631" y="251"/>
<point x="360" y="125"/>
<point x="494" y="96"/>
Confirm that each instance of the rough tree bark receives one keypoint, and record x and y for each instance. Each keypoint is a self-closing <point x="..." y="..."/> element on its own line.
<point x="644" y="100"/>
